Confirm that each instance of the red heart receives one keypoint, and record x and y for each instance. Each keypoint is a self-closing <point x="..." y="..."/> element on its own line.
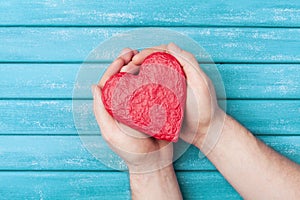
<point x="151" y="102"/>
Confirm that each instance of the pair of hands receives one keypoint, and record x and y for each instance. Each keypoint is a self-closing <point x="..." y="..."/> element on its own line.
<point x="143" y="154"/>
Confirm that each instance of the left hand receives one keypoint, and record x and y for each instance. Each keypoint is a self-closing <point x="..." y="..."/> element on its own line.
<point x="141" y="153"/>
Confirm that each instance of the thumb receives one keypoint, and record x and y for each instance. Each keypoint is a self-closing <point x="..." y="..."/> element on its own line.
<point x="104" y="119"/>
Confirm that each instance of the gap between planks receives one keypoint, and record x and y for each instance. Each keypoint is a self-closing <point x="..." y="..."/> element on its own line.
<point x="143" y="26"/>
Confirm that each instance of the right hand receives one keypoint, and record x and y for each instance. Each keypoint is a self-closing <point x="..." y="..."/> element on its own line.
<point x="203" y="117"/>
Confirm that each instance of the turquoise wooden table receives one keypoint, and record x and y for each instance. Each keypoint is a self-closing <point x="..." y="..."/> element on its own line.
<point x="255" y="44"/>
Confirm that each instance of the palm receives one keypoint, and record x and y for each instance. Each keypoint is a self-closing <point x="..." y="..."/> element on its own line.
<point x="139" y="151"/>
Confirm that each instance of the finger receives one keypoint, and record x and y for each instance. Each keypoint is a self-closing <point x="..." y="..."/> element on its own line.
<point x="131" y="68"/>
<point x="140" y="57"/>
<point x="124" y="58"/>
<point x="105" y="121"/>
<point x="109" y="128"/>
<point x="114" y="68"/>
<point x="135" y="52"/>
<point x="189" y="64"/>
<point x="127" y="54"/>
<point x="186" y="59"/>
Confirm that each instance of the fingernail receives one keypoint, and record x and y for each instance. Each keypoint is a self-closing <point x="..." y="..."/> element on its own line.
<point x="125" y="51"/>
<point x="135" y="57"/>
<point x="135" y="52"/>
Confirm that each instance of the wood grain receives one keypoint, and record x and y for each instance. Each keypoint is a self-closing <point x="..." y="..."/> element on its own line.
<point x="241" y="45"/>
<point x="56" y="116"/>
<point x="151" y="13"/>
<point x="64" y="185"/>
<point x="42" y="44"/>
<point x="68" y="153"/>
<point x="241" y="81"/>
<point x="109" y="185"/>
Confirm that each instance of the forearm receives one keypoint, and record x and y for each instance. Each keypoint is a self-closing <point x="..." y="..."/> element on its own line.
<point x="252" y="168"/>
<point x="160" y="184"/>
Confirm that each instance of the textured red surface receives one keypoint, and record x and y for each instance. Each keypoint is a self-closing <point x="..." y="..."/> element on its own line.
<point x="153" y="101"/>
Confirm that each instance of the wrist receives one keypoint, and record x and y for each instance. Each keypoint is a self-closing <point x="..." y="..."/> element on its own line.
<point x="153" y="164"/>
<point x="208" y="136"/>
<point x="159" y="184"/>
<point x="146" y="176"/>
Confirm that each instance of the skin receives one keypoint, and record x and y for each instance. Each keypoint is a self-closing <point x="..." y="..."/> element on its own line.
<point x="147" y="173"/>
<point x="252" y="168"/>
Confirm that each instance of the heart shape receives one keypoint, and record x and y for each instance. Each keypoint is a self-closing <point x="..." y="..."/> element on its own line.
<point x="151" y="102"/>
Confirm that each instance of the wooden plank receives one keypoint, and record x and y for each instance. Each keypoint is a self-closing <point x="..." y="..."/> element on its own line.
<point x="242" y="45"/>
<point x="205" y="185"/>
<point x="56" y="116"/>
<point x="288" y="146"/>
<point x="37" y="80"/>
<point x="261" y="81"/>
<point x="64" y="185"/>
<point x="68" y="153"/>
<point x="110" y="185"/>
<point x="276" y="81"/>
<point x="267" y="117"/>
<point x="151" y="13"/>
